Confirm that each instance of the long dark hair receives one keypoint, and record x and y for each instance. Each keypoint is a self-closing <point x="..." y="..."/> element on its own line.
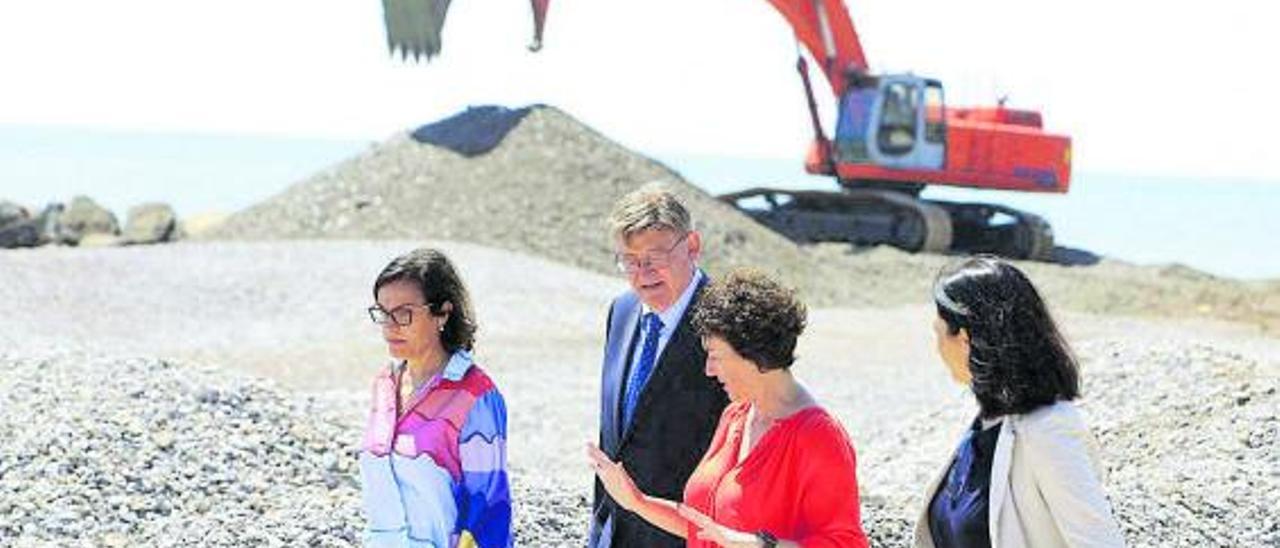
<point x="432" y="272"/>
<point x="1017" y="356"/>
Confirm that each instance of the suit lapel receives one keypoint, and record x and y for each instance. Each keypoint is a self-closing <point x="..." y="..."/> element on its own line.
<point x="677" y="354"/>
<point x="624" y="326"/>
<point x="1000" y="468"/>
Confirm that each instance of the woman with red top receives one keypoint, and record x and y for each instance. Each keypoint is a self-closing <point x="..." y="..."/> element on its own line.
<point x="780" y="470"/>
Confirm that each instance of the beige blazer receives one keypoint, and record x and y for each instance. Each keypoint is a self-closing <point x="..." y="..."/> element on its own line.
<point x="1046" y="485"/>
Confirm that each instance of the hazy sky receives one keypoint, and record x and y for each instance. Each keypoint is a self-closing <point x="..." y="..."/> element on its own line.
<point x="1142" y="86"/>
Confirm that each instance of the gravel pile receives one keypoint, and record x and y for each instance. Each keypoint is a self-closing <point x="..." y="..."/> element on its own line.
<point x="548" y="185"/>
<point x="545" y="190"/>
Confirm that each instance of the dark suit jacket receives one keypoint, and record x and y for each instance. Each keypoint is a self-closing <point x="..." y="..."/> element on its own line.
<point x="673" y="424"/>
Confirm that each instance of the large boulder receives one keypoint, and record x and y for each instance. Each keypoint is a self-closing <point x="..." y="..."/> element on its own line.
<point x="19" y="229"/>
<point x="20" y="234"/>
<point x="84" y="216"/>
<point x="12" y="213"/>
<point x="151" y="223"/>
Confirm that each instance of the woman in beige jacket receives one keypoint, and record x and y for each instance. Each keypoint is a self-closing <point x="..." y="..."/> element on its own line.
<point x="1027" y="471"/>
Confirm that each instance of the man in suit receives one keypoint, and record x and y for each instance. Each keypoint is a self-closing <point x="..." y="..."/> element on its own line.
<point x="658" y="407"/>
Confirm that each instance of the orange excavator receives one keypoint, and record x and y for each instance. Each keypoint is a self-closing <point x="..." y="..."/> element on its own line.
<point x="894" y="135"/>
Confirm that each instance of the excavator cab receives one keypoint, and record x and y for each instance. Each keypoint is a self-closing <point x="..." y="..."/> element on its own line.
<point x="891" y="140"/>
<point x="896" y="121"/>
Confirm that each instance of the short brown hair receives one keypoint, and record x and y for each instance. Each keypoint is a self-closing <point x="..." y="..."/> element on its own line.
<point x="757" y="316"/>
<point x="434" y="274"/>
<point x="650" y="207"/>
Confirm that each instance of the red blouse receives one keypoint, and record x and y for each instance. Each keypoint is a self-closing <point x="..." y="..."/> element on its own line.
<point x="799" y="482"/>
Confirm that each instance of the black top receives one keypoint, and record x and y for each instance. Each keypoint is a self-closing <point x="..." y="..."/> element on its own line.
<point x="474" y="131"/>
<point x="958" y="512"/>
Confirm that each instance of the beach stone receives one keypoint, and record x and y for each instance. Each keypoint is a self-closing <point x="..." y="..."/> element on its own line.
<point x="84" y="216"/>
<point x="151" y="223"/>
<point x="20" y="233"/>
<point x="115" y="540"/>
<point x="25" y="231"/>
<point x="11" y="212"/>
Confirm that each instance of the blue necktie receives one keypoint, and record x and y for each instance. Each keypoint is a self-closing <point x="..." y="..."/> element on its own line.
<point x="640" y="373"/>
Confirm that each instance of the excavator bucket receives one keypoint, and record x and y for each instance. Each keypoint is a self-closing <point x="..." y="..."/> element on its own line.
<point x="414" y="26"/>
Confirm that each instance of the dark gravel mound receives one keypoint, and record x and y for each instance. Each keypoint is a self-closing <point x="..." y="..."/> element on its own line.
<point x="471" y="132"/>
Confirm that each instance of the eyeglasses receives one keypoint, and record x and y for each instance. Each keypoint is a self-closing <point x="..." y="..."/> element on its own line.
<point x="630" y="264"/>
<point x="401" y="315"/>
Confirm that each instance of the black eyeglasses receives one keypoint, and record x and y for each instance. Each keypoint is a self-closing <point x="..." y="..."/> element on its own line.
<point x="401" y="315"/>
<point x="630" y="264"/>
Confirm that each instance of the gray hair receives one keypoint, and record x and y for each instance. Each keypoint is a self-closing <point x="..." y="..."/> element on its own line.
<point x="651" y="207"/>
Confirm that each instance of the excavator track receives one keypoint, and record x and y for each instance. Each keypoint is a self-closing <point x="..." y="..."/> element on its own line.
<point x="871" y="216"/>
<point x="1000" y="230"/>
<point x="858" y="216"/>
<point x="1040" y="245"/>
<point x="930" y="225"/>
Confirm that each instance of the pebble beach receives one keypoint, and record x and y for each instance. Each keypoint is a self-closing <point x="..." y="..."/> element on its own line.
<point x="211" y="391"/>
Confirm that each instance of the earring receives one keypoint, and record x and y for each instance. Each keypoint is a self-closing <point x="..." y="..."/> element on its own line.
<point x="442" y="328"/>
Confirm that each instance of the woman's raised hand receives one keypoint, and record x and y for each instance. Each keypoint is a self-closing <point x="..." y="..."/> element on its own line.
<point x="617" y="482"/>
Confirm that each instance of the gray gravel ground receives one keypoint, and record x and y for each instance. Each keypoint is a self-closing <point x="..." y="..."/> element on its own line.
<point x="172" y="454"/>
<point x="211" y="393"/>
<point x="145" y="452"/>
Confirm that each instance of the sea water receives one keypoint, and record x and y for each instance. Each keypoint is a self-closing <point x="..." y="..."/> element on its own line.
<point x="1223" y="226"/>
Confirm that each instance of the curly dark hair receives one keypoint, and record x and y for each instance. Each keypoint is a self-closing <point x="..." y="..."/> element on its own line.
<point x="1018" y="358"/>
<point x="757" y="316"/>
<point x="434" y="274"/>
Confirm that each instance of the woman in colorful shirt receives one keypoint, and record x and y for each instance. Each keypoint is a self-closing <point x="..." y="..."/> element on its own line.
<point x="433" y="461"/>
<point x="780" y="470"/>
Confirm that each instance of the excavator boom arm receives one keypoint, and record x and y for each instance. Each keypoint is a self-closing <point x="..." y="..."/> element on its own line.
<point x="825" y="29"/>
<point x="823" y="26"/>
